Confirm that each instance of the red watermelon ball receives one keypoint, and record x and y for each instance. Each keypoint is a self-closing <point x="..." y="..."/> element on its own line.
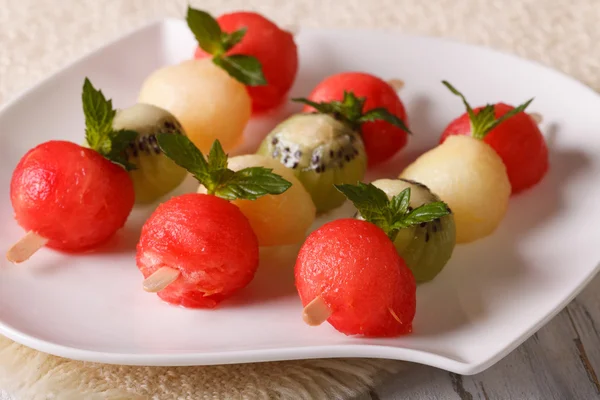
<point x="355" y="268"/>
<point x="517" y="140"/>
<point x="382" y="139"/>
<point x="70" y="195"/>
<point x="273" y="47"/>
<point x="208" y="240"/>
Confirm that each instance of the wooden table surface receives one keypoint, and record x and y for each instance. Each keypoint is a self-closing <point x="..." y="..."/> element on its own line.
<point x="560" y="362"/>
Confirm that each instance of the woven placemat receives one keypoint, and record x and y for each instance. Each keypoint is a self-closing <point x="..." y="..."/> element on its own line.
<point x="38" y="37"/>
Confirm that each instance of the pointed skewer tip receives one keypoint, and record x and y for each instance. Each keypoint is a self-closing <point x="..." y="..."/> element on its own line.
<point x="160" y="279"/>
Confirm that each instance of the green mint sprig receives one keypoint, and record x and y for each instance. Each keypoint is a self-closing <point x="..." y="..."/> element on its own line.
<point x="211" y="39"/>
<point x="247" y="184"/>
<point x="350" y="111"/>
<point x="485" y="120"/>
<point x="390" y="215"/>
<point x="99" y="132"/>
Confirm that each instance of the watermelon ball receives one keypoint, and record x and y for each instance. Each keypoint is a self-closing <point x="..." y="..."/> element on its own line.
<point x="517" y="140"/>
<point x="70" y="195"/>
<point x="273" y="47"/>
<point x="208" y="240"/>
<point x="382" y="139"/>
<point x="354" y="268"/>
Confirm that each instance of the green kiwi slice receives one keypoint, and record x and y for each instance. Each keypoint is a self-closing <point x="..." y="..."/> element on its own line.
<point x="155" y="174"/>
<point x="321" y="151"/>
<point x="426" y="248"/>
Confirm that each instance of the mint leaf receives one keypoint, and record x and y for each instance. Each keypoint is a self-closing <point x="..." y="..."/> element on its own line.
<point x="400" y="202"/>
<point x="510" y="114"/>
<point x="392" y="215"/>
<point x="207" y="31"/>
<point x="371" y="202"/>
<point x="118" y="144"/>
<point x="245" y="69"/>
<point x="231" y="39"/>
<point x="252" y="183"/>
<point x="425" y="213"/>
<point x="381" y="114"/>
<point x="247" y="184"/>
<point x="484" y="121"/>
<point x="99" y="133"/>
<point x="322" y="108"/>
<point x="217" y="163"/>
<point x="184" y="153"/>
<point x="99" y="115"/>
<point x="350" y="111"/>
<point x="464" y="100"/>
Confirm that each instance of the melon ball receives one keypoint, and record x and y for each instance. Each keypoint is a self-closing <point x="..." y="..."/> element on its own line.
<point x="277" y="220"/>
<point x="208" y="102"/>
<point x="471" y="178"/>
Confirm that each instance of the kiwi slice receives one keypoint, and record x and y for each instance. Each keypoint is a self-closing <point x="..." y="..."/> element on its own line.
<point x="426" y="248"/>
<point x="155" y="174"/>
<point x="321" y="151"/>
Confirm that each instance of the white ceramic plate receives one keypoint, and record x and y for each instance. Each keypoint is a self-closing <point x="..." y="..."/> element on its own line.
<point x="492" y="295"/>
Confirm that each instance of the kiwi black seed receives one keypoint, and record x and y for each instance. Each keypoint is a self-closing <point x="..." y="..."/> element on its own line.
<point x="155" y="175"/>
<point x="321" y="151"/>
<point x="426" y="248"/>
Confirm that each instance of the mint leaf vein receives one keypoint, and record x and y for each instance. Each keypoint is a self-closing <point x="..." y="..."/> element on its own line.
<point x="248" y="183"/>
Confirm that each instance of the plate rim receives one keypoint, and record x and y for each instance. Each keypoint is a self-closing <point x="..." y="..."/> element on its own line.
<point x="451" y="364"/>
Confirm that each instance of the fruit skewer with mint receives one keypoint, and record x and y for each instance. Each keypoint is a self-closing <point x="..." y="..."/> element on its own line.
<point x="471" y="173"/>
<point x="74" y="198"/>
<point x="196" y="250"/>
<point x="324" y="148"/>
<point x="349" y="271"/>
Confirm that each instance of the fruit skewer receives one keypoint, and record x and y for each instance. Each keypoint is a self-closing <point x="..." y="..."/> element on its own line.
<point x="277" y="220"/>
<point x="216" y="85"/>
<point x="468" y="174"/>
<point x="383" y="137"/>
<point x="511" y="132"/>
<point x="74" y="198"/>
<point x="346" y="259"/>
<point x="272" y="46"/>
<point x="349" y="273"/>
<point x="324" y="147"/>
<point x="425" y="246"/>
<point x="198" y="249"/>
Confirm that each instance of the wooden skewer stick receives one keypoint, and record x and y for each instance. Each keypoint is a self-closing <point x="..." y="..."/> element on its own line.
<point x="160" y="279"/>
<point x="316" y="312"/>
<point x="396" y="83"/>
<point x="537" y="117"/>
<point x="26" y="247"/>
<point x="394" y="315"/>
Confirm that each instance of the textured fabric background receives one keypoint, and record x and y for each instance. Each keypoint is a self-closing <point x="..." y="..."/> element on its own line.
<point x="37" y="37"/>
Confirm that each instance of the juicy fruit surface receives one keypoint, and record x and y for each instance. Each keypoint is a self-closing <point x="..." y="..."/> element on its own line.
<point x="273" y="47"/>
<point x="425" y="248"/>
<point x="276" y="219"/>
<point x="355" y="268"/>
<point x="321" y="152"/>
<point x="70" y="195"/>
<point x="208" y="103"/>
<point x="155" y="174"/>
<point x="518" y="141"/>
<point x="470" y="177"/>
<point x="382" y="139"/>
<point x="208" y="240"/>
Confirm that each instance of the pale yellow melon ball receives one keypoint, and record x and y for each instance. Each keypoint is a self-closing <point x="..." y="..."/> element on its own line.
<point x="471" y="178"/>
<point x="276" y="219"/>
<point x="208" y="102"/>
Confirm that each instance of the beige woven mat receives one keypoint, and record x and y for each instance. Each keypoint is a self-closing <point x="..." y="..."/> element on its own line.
<point x="40" y="36"/>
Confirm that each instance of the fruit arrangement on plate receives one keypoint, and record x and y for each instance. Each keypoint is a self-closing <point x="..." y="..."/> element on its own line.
<point x="359" y="273"/>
